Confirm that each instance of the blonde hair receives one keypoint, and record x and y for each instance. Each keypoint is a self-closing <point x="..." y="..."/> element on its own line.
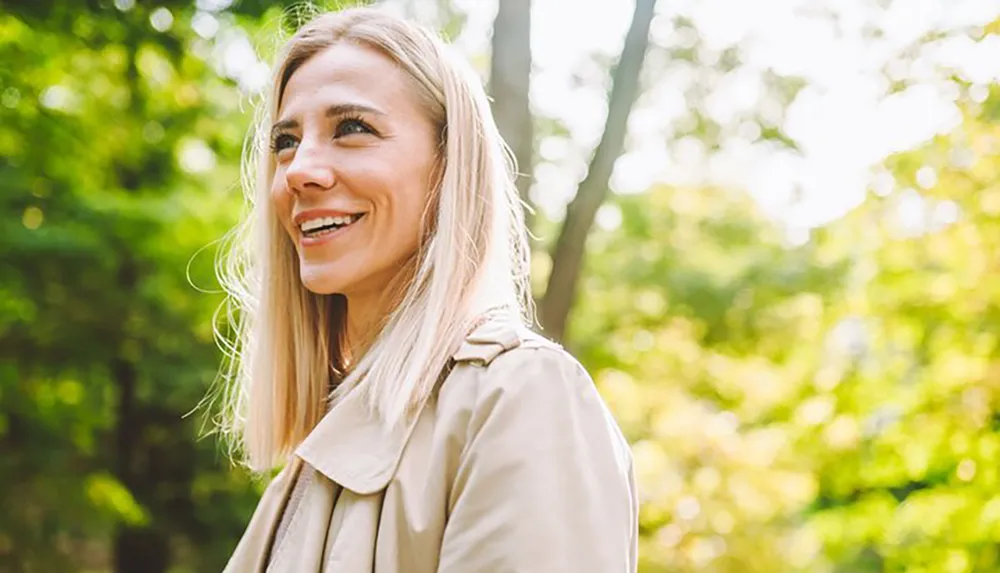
<point x="288" y="342"/>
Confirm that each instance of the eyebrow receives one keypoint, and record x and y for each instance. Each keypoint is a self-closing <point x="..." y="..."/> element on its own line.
<point x="332" y="111"/>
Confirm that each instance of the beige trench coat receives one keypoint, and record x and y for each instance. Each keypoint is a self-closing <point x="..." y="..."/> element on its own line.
<point x="514" y="465"/>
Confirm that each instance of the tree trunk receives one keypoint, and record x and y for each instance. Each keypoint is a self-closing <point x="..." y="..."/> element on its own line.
<point x="567" y="255"/>
<point x="136" y="549"/>
<point x="510" y="73"/>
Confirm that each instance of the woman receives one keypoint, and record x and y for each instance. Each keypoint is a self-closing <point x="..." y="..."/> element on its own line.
<point x="383" y="355"/>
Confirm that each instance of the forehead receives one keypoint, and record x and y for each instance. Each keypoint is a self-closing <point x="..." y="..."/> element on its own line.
<point x="347" y="73"/>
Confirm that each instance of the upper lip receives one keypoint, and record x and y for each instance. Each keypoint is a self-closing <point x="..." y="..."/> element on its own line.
<point x="311" y="214"/>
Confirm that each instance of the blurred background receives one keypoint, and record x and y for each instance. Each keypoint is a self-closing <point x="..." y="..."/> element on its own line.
<point x="769" y="229"/>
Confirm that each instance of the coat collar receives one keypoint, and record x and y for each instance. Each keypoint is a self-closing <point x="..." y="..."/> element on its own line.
<point x="350" y="445"/>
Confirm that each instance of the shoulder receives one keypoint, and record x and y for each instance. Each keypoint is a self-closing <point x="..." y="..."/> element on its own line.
<point x="534" y="448"/>
<point x="507" y="375"/>
<point x="518" y="404"/>
<point x="507" y="357"/>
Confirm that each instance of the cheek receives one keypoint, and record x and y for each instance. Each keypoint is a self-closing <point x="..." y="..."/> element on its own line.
<point x="281" y="198"/>
<point x="412" y="212"/>
<point x="282" y="204"/>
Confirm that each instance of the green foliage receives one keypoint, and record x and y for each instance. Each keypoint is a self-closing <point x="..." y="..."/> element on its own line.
<point x="829" y="407"/>
<point x="107" y="130"/>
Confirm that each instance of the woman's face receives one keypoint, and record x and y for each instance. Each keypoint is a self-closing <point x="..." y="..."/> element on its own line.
<point x="354" y="155"/>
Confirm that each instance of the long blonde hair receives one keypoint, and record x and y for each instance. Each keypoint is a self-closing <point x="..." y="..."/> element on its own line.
<point x="275" y="386"/>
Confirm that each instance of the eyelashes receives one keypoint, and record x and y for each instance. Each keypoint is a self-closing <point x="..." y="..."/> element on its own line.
<point x="351" y="125"/>
<point x="281" y="141"/>
<point x="346" y="126"/>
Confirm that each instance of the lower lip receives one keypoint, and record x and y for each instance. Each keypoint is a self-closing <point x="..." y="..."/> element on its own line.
<point x="307" y="241"/>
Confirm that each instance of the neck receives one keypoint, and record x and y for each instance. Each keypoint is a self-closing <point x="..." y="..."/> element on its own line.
<point x="368" y="309"/>
<point x="364" y="318"/>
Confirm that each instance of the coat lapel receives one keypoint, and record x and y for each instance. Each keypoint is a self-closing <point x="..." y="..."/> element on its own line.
<point x="351" y="447"/>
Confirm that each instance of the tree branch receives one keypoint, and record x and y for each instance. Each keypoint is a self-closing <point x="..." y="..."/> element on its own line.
<point x="568" y="253"/>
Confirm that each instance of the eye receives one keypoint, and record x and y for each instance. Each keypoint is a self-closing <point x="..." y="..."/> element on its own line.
<point x="282" y="141"/>
<point x="352" y="126"/>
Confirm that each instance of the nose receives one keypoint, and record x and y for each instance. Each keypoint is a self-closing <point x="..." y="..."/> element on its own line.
<point x="309" y="171"/>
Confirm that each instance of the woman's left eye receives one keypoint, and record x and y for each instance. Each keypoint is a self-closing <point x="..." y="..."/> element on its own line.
<point x="351" y="127"/>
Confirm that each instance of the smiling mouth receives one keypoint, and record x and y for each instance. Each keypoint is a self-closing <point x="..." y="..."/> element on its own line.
<point x="328" y="225"/>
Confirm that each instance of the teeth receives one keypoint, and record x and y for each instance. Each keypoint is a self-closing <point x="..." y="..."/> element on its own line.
<point x="313" y="224"/>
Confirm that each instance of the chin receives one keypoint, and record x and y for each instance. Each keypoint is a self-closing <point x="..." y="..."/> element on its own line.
<point x="324" y="282"/>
